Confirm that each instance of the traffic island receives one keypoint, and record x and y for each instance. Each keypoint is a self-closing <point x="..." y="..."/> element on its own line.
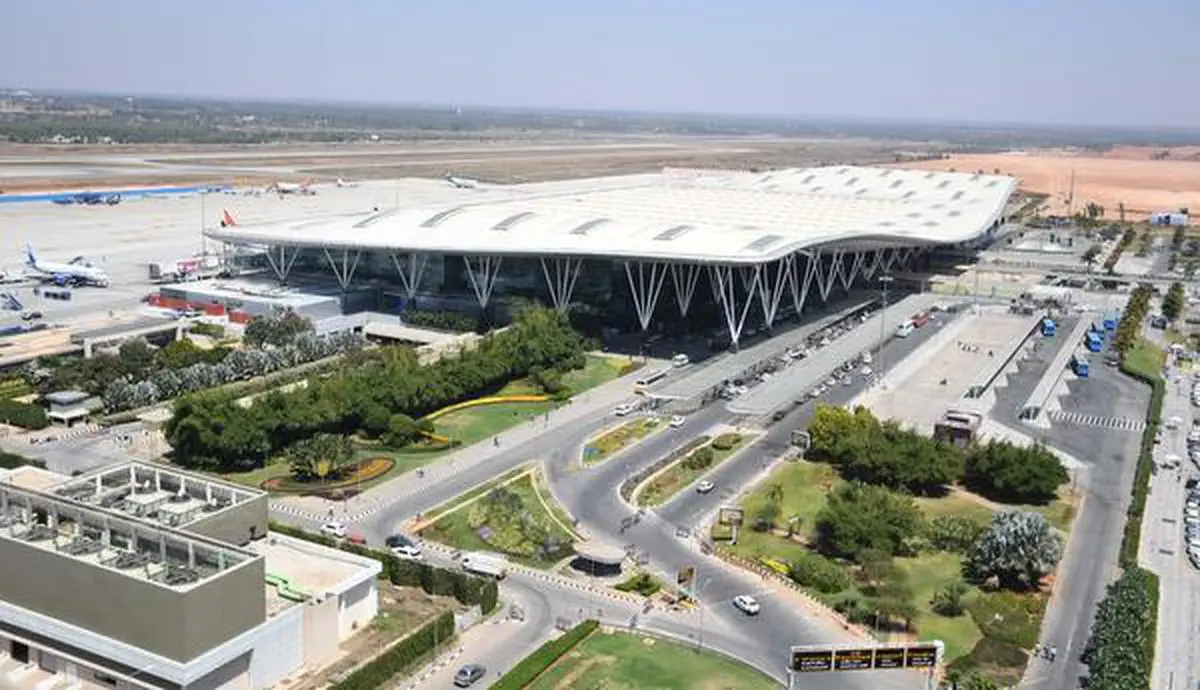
<point x="662" y="486"/>
<point x="510" y="518"/>
<point x="613" y="441"/>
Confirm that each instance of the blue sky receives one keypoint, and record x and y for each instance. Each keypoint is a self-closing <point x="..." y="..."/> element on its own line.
<point x="1049" y="61"/>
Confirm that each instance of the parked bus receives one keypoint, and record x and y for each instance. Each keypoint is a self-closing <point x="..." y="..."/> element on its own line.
<point x="905" y="329"/>
<point x="1079" y="365"/>
<point x="920" y="319"/>
<point x="1049" y="328"/>
<point x="1095" y="343"/>
<point x="650" y="379"/>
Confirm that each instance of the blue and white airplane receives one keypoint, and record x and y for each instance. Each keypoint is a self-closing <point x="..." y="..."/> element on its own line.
<point x="463" y="182"/>
<point x="77" y="272"/>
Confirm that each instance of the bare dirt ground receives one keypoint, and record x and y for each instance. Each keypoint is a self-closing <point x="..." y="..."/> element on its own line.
<point x="506" y="162"/>
<point x="1126" y="175"/>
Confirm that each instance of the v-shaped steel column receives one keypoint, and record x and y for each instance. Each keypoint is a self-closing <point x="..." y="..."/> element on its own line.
<point x="410" y="275"/>
<point x="646" y="288"/>
<point x="725" y="287"/>
<point x="283" y="266"/>
<point x="562" y="283"/>
<point x="684" y="278"/>
<point x="828" y="278"/>
<point x="770" y="290"/>
<point x="855" y="266"/>
<point x="800" y="285"/>
<point x="345" y="272"/>
<point x="483" y="277"/>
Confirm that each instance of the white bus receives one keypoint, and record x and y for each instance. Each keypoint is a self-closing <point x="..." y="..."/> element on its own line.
<point x="650" y="379"/>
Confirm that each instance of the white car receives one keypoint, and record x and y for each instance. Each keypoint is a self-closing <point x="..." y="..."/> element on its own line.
<point x="866" y="358"/>
<point x="334" y="529"/>
<point x="705" y="487"/>
<point x="866" y="371"/>
<point x="747" y="604"/>
<point x="624" y="409"/>
<point x="677" y="421"/>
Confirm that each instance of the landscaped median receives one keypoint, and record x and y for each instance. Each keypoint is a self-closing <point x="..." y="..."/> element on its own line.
<point x="608" y="443"/>
<point x="509" y="516"/>
<point x="588" y="656"/>
<point x="663" y="485"/>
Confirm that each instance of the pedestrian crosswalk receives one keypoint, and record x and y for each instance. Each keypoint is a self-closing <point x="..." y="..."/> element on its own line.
<point x="281" y="508"/>
<point x="1118" y="423"/>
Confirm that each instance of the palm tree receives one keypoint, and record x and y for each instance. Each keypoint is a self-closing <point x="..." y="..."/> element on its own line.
<point x="775" y="493"/>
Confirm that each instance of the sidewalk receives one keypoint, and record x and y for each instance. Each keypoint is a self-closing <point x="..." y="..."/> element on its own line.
<point x="403" y="486"/>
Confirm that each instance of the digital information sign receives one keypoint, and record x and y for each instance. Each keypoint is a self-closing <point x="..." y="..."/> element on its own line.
<point x="923" y="655"/>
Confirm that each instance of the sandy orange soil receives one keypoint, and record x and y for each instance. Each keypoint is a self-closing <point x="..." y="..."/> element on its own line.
<point x="1124" y="175"/>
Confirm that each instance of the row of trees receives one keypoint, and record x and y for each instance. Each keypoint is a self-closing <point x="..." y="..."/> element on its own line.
<point x="211" y="430"/>
<point x="1127" y="240"/>
<point x="1120" y="652"/>
<point x="1174" y="302"/>
<point x="863" y="448"/>
<point x="1129" y="330"/>
<point x="128" y="392"/>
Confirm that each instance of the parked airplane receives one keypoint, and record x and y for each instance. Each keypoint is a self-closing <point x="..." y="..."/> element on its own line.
<point x="344" y="183"/>
<point x="463" y="182"/>
<point x="304" y="187"/>
<point x="77" y="272"/>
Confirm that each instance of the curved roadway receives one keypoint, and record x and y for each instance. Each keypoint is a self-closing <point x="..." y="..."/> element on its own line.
<point x="591" y="495"/>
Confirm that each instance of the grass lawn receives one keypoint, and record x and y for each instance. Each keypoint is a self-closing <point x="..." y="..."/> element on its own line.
<point x="927" y="574"/>
<point x="642" y="583"/>
<point x="475" y="424"/>
<point x="475" y="493"/>
<point x="615" y="440"/>
<point x="620" y="661"/>
<point x="800" y="488"/>
<point x="677" y="477"/>
<point x="1146" y="357"/>
<point x="508" y="535"/>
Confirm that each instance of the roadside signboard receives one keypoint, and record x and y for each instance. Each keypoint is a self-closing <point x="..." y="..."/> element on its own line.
<point x="923" y="656"/>
<point x="731" y="516"/>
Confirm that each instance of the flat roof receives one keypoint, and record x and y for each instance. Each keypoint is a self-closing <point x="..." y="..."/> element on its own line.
<point x="32" y="478"/>
<point x="297" y="570"/>
<point x="702" y="216"/>
<point x="142" y="325"/>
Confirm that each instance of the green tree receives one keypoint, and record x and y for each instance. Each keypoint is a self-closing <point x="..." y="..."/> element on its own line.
<point x="1174" y="301"/>
<point x="1010" y="473"/>
<point x="858" y="517"/>
<point x="1017" y="550"/>
<point x="947" y="601"/>
<point x="276" y="329"/>
<point x="1091" y="254"/>
<point x="323" y="456"/>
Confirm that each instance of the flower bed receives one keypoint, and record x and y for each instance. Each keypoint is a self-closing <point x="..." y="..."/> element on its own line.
<point x="355" y="475"/>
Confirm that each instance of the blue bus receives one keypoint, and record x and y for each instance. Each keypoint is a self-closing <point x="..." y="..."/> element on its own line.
<point x="1095" y="343"/>
<point x="1049" y="328"/>
<point x="1079" y="365"/>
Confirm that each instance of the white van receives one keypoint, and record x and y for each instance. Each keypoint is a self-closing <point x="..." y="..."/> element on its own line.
<point x="905" y="329"/>
<point x="624" y="409"/>
<point x="680" y="360"/>
<point x="486" y="564"/>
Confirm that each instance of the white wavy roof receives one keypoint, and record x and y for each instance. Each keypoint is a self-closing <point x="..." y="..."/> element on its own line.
<point x="702" y="216"/>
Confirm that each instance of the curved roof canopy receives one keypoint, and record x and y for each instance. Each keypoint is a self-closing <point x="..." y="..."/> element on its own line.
<point x="697" y="216"/>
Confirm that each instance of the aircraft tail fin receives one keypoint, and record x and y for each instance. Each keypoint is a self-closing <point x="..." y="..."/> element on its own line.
<point x="227" y="219"/>
<point x="30" y="259"/>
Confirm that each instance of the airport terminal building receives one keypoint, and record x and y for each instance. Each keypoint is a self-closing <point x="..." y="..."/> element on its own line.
<point x="739" y="249"/>
<point x="137" y="576"/>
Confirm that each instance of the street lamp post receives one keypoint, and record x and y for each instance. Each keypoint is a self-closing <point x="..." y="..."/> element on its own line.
<point x="884" y="281"/>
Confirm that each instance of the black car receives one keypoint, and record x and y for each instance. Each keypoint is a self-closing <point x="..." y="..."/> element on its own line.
<point x="468" y="675"/>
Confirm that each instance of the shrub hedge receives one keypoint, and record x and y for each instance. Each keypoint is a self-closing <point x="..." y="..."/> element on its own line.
<point x="11" y="461"/>
<point x="469" y="590"/>
<point x="632" y="483"/>
<point x="1145" y="463"/>
<point x="726" y="441"/>
<point x="23" y="415"/>
<point x="401" y="656"/>
<point x="534" y="665"/>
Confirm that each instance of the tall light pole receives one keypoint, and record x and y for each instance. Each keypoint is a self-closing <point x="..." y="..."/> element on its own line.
<point x="884" y="281"/>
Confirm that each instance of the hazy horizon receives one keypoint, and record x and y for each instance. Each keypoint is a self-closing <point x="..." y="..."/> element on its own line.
<point x="1020" y="64"/>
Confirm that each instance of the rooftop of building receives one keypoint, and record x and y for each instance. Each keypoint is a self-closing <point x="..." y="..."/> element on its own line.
<point x="298" y="570"/>
<point x="724" y="216"/>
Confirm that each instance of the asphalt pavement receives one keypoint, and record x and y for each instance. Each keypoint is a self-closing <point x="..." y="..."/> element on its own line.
<point x="591" y="495"/>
